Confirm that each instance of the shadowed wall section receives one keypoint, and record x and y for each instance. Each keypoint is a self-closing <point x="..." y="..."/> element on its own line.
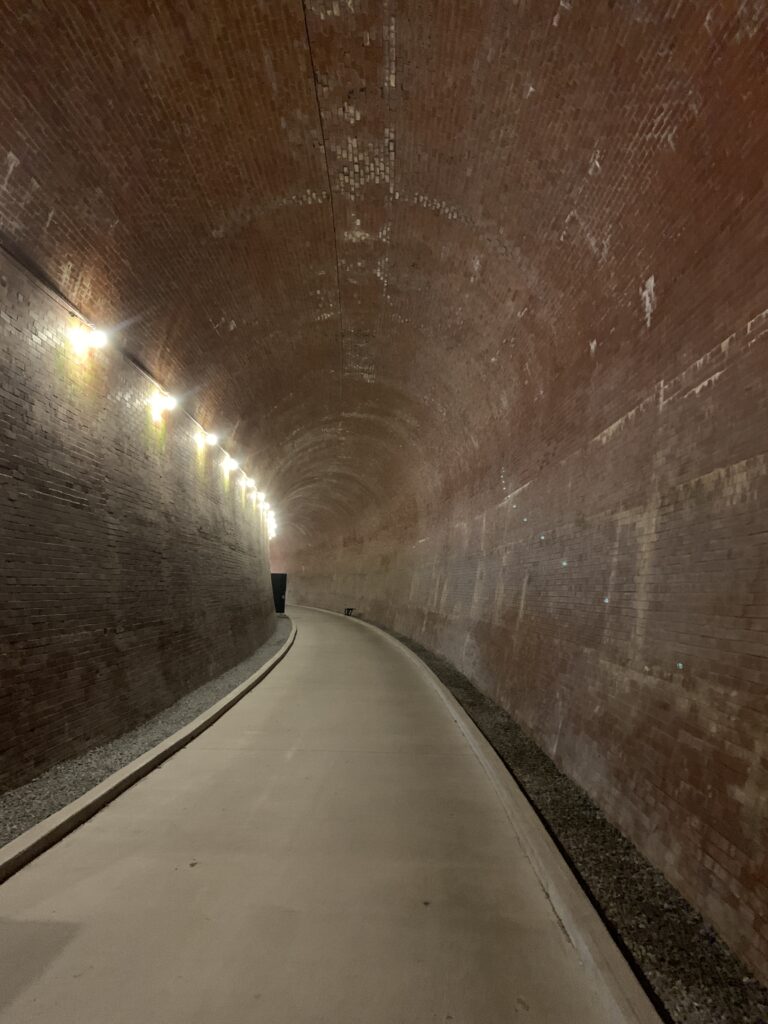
<point x="133" y="569"/>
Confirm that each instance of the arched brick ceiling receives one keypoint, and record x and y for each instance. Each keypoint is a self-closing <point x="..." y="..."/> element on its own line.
<point x="377" y="242"/>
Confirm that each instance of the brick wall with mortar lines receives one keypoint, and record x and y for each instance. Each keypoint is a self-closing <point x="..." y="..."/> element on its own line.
<point x="617" y="605"/>
<point x="418" y="257"/>
<point x="130" y="572"/>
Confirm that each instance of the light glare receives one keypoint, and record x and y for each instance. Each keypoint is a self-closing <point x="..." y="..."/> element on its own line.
<point x="271" y="520"/>
<point x="83" y="338"/>
<point x="271" y="525"/>
<point x="161" y="403"/>
<point x="203" y="438"/>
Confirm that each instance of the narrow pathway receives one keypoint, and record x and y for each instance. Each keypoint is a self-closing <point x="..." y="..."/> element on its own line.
<point x="332" y="851"/>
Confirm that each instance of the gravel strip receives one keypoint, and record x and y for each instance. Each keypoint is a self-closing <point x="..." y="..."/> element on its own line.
<point x="688" y="971"/>
<point x="24" y="807"/>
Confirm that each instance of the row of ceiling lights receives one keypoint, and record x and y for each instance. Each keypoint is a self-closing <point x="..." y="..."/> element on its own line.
<point x="84" y="338"/>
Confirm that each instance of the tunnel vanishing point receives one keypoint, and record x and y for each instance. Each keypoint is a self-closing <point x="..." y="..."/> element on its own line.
<point x="456" y="313"/>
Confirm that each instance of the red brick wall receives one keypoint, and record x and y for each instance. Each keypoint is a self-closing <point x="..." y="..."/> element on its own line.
<point x="616" y="602"/>
<point x="131" y="572"/>
<point x="429" y="262"/>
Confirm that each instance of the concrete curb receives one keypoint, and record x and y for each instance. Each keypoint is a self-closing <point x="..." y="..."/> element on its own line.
<point x="30" y="844"/>
<point x="579" y="920"/>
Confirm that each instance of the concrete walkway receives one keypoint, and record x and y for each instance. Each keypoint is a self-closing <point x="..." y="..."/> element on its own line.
<point x="334" y="850"/>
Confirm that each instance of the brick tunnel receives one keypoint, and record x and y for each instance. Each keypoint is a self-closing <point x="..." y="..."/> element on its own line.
<point x="456" y="314"/>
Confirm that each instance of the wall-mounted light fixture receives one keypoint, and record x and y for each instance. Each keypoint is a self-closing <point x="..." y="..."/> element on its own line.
<point x="206" y="440"/>
<point x="83" y="338"/>
<point x="161" y="404"/>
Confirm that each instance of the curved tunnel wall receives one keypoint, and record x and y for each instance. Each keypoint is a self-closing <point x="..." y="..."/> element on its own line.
<point x="451" y="277"/>
<point x="133" y="569"/>
<point x="615" y="603"/>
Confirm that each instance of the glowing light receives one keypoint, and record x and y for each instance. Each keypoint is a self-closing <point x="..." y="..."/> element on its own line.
<point x="78" y="336"/>
<point x="84" y="338"/>
<point x="160" y="403"/>
<point x="266" y="506"/>
<point x="229" y="464"/>
<point x="248" y="483"/>
<point x="261" y="497"/>
<point x="205" y="439"/>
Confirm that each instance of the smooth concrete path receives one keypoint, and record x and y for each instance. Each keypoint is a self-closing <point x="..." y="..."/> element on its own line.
<point x="331" y="851"/>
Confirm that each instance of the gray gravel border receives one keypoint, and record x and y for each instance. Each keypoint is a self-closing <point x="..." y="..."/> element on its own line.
<point x="31" y="803"/>
<point x="684" y="966"/>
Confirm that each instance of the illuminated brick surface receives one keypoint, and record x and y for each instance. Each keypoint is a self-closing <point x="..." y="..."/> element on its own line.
<point x="133" y="570"/>
<point x="450" y="277"/>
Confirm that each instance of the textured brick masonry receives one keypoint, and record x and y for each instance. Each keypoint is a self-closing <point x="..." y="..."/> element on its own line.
<point x="477" y="289"/>
<point x="132" y="569"/>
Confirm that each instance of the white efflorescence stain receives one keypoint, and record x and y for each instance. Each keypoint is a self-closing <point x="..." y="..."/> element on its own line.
<point x="593" y="347"/>
<point x="648" y="299"/>
<point x="565" y="5"/>
<point x="11" y="163"/>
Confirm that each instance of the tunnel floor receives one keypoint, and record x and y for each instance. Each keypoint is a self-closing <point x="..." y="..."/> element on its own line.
<point x="333" y="849"/>
<point x="26" y="806"/>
